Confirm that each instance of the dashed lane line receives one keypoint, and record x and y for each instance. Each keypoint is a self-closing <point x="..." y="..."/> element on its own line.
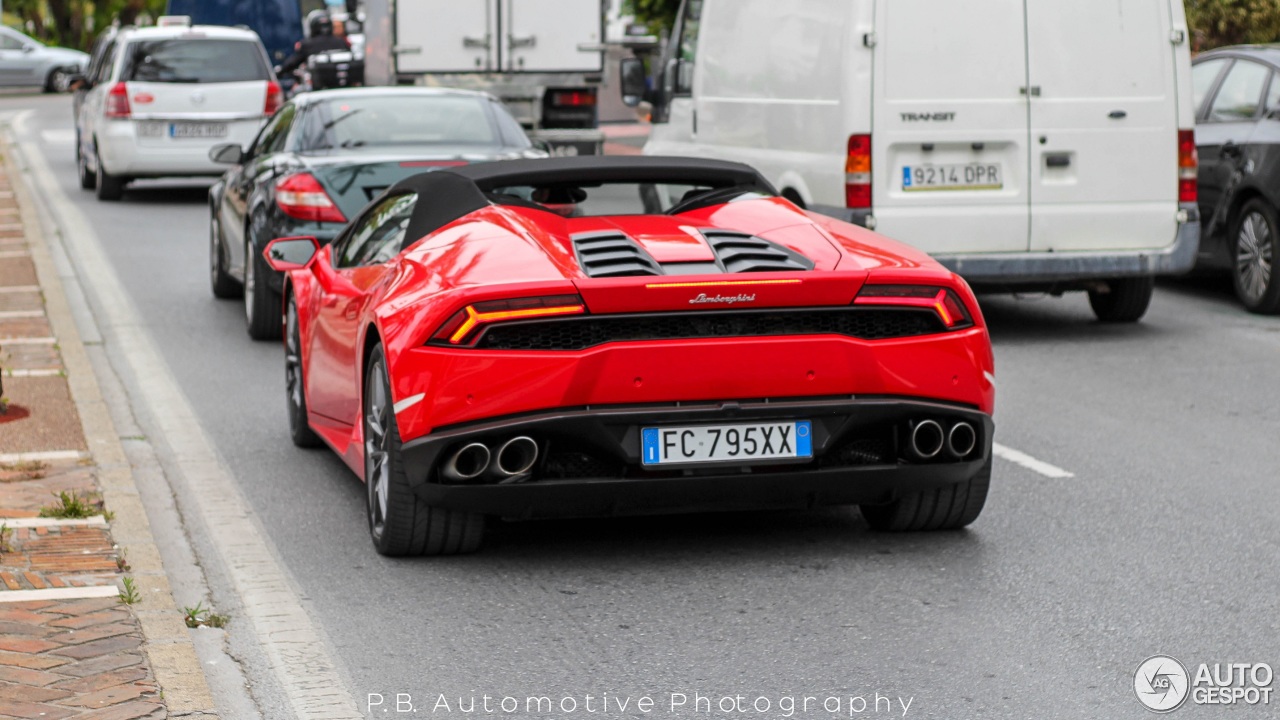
<point x="1020" y="458"/>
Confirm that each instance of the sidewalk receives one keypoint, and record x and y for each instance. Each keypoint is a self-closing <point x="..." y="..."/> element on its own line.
<point x="70" y="646"/>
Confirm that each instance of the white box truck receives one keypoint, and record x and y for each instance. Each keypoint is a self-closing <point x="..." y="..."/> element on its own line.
<point x="1028" y="145"/>
<point x="543" y="58"/>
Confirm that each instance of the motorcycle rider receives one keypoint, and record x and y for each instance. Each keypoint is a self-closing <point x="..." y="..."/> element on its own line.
<point x="321" y="39"/>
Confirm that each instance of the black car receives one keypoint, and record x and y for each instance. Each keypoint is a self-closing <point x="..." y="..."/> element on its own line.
<point x="1237" y="100"/>
<point x="321" y="158"/>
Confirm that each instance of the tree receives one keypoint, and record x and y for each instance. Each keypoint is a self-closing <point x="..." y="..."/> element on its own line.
<point x="1231" y="22"/>
<point x="659" y="15"/>
<point x="74" y="23"/>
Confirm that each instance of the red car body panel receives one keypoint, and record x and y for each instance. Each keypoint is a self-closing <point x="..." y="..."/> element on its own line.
<point x="502" y="252"/>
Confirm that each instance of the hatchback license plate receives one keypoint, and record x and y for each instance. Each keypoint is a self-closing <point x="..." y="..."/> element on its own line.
<point x="726" y="443"/>
<point x="970" y="176"/>
<point x="197" y="130"/>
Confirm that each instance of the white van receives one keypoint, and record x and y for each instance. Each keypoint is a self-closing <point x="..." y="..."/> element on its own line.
<point x="1029" y="145"/>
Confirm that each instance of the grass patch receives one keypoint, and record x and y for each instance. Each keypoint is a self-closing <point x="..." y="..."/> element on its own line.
<point x="129" y="594"/>
<point x="27" y="469"/>
<point x="73" y="506"/>
<point x="201" y="616"/>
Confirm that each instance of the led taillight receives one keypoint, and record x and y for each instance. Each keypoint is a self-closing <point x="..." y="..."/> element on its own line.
<point x="857" y="173"/>
<point x="464" y="324"/>
<point x="302" y="197"/>
<point x="1188" y="165"/>
<point x="116" y="104"/>
<point x="943" y="301"/>
<point x="573" y="98"/>
<point x="275" y="98"/>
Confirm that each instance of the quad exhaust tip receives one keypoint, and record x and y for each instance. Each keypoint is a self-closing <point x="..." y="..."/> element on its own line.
<point x="467" y="463"/>
<point x="962" y="439"/>
<point x="516" y="456"/>
<point x="927" y="439"/>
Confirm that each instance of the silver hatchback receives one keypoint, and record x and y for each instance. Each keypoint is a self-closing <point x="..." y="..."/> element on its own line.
<point x="26" y="62"/>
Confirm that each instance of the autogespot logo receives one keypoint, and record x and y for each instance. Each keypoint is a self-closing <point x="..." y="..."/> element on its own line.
<point x="1161" y="683"/>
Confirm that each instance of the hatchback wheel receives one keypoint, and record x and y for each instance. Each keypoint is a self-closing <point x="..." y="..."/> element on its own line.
<point x="399" y="522"/>
<point x="88" y="179"/>
<point x="1256" y="234"/>
<point x="109" y="187"/>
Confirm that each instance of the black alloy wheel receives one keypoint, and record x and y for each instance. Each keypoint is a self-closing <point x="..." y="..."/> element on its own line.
<point x="1253" y="257"/>
<point x="296" y="389"/>
<point x="400" y="524"/>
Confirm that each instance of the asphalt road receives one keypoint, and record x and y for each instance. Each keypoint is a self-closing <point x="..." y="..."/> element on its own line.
<point x="1163" y="540"/>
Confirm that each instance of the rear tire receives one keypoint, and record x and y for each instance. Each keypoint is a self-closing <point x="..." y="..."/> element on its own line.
<point x="1256" y="233"/>
<point x="400" y="524"/>
<point x="262" y="312"/>
<point x="109" y="187"/>
<point x="946" y="508"/>
<point x="223" y="285"/>
<point x="295" y="386"/>
<point x="1126" y="302"/>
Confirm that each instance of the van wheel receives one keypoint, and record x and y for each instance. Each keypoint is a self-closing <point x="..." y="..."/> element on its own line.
<point x="946" y="508"/>
<point x="1256" y="234"/>
<point x="109" y="187"/>
<point x="1126" y="302"/>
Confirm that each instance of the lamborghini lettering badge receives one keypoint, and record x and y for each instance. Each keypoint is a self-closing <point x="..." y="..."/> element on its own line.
<point x="725" y="299"/>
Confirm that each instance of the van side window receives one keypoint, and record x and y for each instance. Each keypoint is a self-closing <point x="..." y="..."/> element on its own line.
<point x="1202" y="77"/>
<point x="1240" y="93"/>
<point x="687" y="50"/>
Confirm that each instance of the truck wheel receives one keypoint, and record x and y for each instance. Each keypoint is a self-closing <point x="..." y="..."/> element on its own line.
<point x="1126" y="301"/>
<point x="1256" y="233"/>
<point x="946" y="508"/>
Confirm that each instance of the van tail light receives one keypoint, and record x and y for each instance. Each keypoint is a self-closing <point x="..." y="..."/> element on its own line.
<point x="302" y="197"/>
<point x="461" y="329"/>
<point x="116" y="106"/>
<point x="1188" y="164"/>
<point x="857" y="173"/>
<point x="275" y="98"/>
<point x="943" y="301"/>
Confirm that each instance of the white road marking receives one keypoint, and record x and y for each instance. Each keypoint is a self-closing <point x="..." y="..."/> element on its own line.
<point x="28" y="341"/>
<point x="20" y="289"/>
<point x="70" y="593"/>
<point x="46" y="456"/>
<point x="96" y="520"/>
<point x="10" y="254"/>
<point x="18" y="314"/>
<point x="1028" y="462"/>
<point x="65" y="136"/>
<point x="293" y="646"/>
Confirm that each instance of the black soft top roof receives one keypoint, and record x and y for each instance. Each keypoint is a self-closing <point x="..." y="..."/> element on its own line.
<point x="446" y="195"/>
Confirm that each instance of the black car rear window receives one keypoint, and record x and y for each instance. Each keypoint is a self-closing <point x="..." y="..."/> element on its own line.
<point x="195" y="60"/>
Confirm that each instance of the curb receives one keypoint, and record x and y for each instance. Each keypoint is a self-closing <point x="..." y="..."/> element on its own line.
<point x="169" y="647"/>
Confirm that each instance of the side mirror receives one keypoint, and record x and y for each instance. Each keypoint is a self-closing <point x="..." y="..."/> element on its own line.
<point x="291" y="253"/>
<point x="226" y="153"/>
<point x="631" y="73"/>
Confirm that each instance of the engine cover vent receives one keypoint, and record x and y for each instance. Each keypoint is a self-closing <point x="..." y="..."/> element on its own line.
<point x="612" y="254"/>
<point x="741" y="253"/>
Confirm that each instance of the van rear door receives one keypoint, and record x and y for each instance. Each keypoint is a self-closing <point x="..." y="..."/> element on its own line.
<point x="949" y="136"/>
<point x="1104" y="125"/>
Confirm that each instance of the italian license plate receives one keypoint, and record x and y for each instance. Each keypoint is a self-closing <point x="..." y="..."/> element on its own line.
<point x="970" y="176"/>
<point x="726" y="443"/>
<point x="197" y="130"/>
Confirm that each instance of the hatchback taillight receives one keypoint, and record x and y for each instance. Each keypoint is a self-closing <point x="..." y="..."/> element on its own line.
<point x="857" y="173"/>
<point x="275" y="98"/>
<point x="302" y="197"/>
<point x="116" y="105"/>
<point x="1188" y="165"/>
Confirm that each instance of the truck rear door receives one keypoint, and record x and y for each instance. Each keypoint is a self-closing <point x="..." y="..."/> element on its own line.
<point x="446" y="36"/>
<point x="1104" y="125"/>
<point x="949" y="127"/>
<point x="544" y="35"/>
